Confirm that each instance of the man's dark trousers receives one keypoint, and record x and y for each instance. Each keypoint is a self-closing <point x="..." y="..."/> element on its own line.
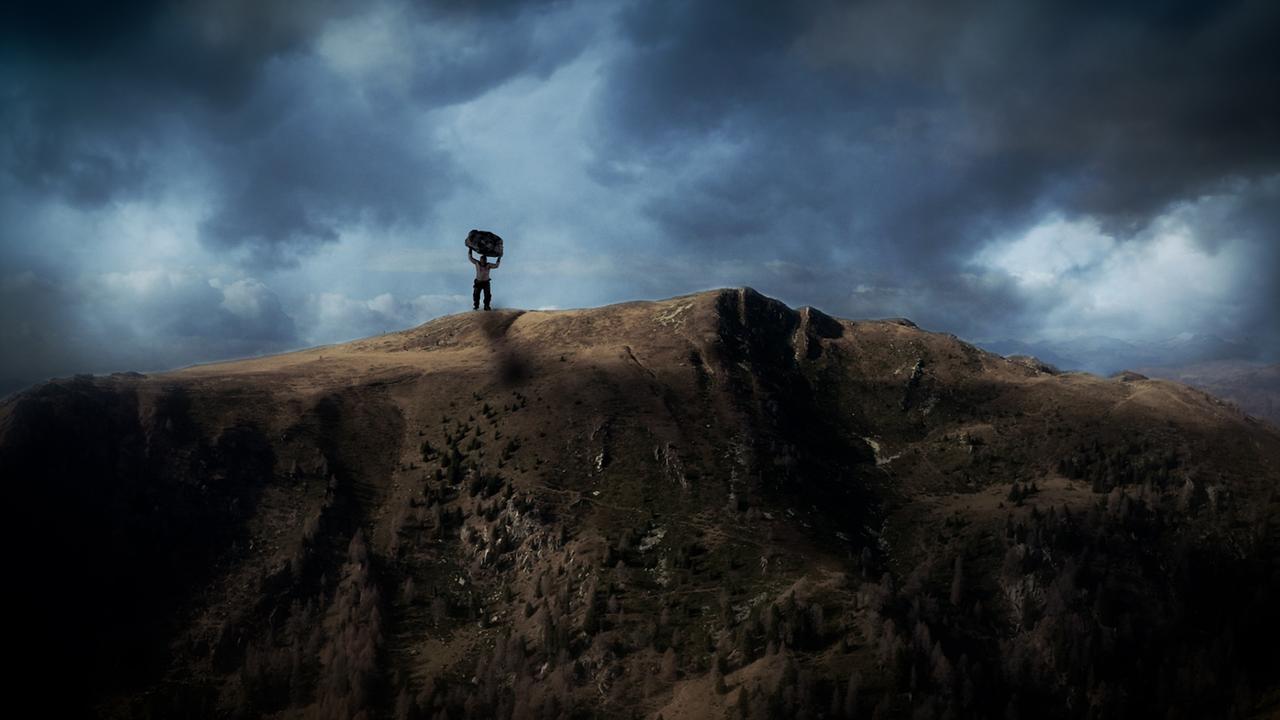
<point x="475" y="294"/>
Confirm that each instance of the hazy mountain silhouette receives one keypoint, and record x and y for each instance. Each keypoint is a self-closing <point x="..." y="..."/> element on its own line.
<point x="709" y="506"/>
<point x="1104" y="355"/>
<point x="1254" y="387"/>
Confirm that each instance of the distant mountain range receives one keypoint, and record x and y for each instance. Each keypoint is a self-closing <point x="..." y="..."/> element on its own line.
<point x="1228" y="369"/>
<point x="1254" y="388"/>
<point x="1104" y="355"/>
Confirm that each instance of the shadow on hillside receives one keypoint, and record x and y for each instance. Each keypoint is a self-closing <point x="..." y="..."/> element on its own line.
<point x="514" y="367"/>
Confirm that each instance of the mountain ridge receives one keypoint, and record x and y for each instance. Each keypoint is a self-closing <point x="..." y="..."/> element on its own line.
<point x="692" y="507"/>
<point x="1104" y="355"/>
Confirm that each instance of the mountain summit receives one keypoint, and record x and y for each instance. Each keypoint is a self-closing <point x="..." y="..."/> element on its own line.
<point x="708" y="506"/>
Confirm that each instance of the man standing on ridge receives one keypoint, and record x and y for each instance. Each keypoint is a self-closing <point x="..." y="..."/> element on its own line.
<point x="483" y="266"/>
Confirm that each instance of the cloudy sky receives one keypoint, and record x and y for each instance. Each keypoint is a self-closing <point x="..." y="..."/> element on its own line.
<point x="189" y="181"/>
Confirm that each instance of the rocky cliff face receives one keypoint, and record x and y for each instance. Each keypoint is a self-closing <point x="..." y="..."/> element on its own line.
<point x="710" y="506"/>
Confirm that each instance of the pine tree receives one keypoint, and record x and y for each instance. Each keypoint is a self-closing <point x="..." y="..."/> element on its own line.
<point x="851" y="695"/>
<point x="957" y="582"/>
<point x="669" y="667"/>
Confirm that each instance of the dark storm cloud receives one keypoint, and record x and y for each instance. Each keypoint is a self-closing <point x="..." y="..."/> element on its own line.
<point x="100" y="101"/>
<point x="911" y="132"/>
<point x="211" y="49"/>
<point x="489" y="43"/>
<point x="300" y="162"/>
<point x="102" y="96"/>
<point x="1119" y="108"/>
<point x="90" y="87"/>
